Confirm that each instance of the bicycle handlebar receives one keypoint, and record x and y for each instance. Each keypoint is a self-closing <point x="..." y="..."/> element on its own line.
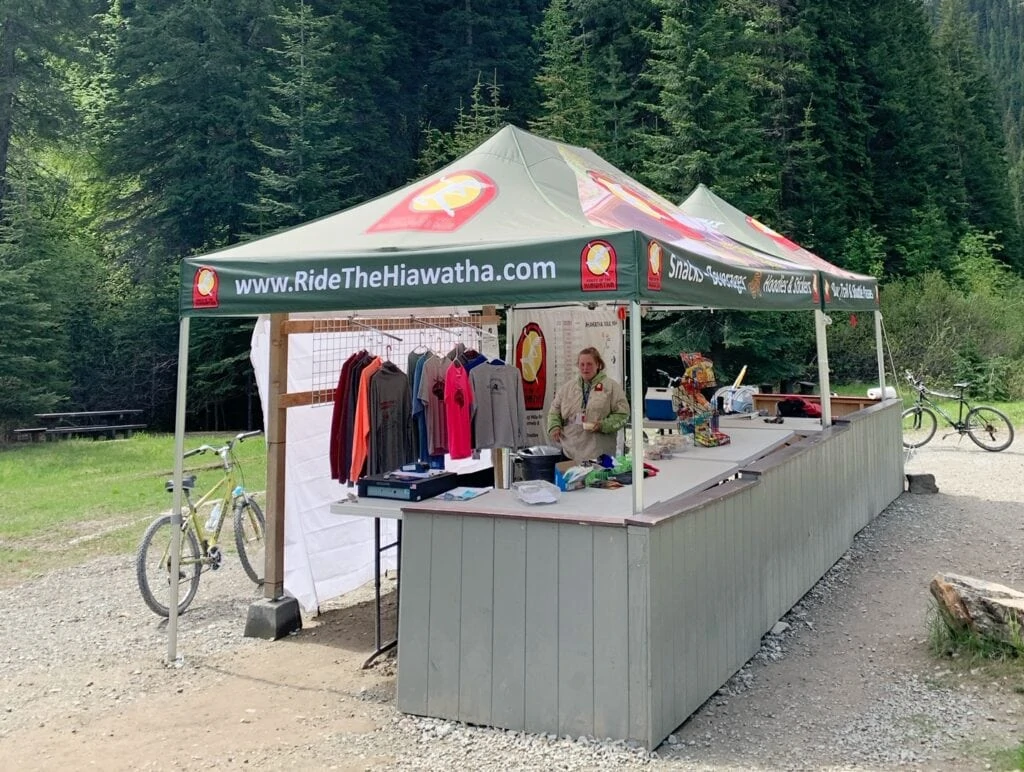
<point x="917" y="383"/>
<point x="240" y="437"/>
<point x="672" y="380"/>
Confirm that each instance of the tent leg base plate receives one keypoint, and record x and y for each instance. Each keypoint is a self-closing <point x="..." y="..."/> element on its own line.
<point x="273" y="619"/>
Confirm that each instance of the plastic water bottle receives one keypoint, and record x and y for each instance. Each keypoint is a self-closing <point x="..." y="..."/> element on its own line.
<point x="214" y="521"/>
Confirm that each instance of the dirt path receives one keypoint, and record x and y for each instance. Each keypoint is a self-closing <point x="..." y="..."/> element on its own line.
<point x="850" y="685"/>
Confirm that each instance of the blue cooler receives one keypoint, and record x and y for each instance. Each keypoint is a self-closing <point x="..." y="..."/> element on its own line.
<point x="658" y="404"/>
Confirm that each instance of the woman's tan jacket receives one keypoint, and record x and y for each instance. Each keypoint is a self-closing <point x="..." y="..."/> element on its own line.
<point x="606" y="405"/>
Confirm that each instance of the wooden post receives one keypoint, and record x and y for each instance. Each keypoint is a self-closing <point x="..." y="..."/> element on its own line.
<point x="277" y="434"/>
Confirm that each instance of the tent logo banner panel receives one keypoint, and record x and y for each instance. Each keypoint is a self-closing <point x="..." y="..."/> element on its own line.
<point x="687" y="278"/>
<point x="440" y="205"/>
<point x="848" y="293"/>
<point x="599" y="269"/>
<point x="501" y="274"/>
<point x="205" y="289"/>
<point x="655" y="258"/>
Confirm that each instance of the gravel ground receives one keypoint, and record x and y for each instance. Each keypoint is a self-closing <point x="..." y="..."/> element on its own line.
<point x="847" y="682"/>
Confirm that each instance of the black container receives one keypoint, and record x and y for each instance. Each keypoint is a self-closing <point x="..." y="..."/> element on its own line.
<point x="540" y="466"/>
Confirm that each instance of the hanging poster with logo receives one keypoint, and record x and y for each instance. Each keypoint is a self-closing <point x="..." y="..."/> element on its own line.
<point x="544" y="343"/>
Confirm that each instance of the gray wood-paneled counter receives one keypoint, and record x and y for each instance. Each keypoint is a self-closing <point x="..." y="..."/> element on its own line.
<point x="595" y="622"/>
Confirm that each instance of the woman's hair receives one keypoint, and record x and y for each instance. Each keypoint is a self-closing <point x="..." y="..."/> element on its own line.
<point x="592" y="352"/>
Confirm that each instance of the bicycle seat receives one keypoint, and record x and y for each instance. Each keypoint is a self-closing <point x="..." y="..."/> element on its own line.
<point x="962" y="385"/>
<point x="187" y="483"/>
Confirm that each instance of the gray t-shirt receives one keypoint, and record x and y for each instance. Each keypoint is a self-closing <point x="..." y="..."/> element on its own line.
<point x="391" y="440"/>
<point x="499" y="420"/>
<point x="432" y="396"/>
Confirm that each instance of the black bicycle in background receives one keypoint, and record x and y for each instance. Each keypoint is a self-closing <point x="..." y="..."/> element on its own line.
<point x="987" y="427"/>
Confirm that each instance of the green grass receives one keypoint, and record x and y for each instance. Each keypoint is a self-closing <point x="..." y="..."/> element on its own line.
<point x="981" y="660"/>
<point x="67" y="501"/>
<point x="967" y="645"/>
<point x="1008" y="759"/>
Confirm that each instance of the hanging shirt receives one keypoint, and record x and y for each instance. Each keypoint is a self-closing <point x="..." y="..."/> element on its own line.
<point x="390" y="437"/>
<point x="348" y="419"/>
<point x="458" y="405"/>
<point x="499" y="407"/>
<point x="337" y="419"/>
<point x="410" y="371"/>
<point x="431" y="394"/>
<point x="419" y="413"/>
<point x="361" y="429"/>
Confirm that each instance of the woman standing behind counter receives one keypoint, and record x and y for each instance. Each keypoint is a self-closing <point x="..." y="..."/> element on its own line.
<point x="588" y="411"/>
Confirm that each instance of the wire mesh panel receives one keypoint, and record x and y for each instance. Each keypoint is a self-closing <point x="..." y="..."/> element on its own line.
<point x="391" y="338"/>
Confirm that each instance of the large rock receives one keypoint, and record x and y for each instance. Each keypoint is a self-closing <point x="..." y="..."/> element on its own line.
<point x="922" y="483"/>
<point x="988" y="609"/>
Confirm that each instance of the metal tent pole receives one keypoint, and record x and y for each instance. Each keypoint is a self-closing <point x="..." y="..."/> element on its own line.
<point x="880" y="351"/>
<point x="179" y="472"/>
<point x="636" y="406"/>
<point x="821" y="322"/>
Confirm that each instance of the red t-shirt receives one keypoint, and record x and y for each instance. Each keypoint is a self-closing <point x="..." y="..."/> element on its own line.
<point x="458" y="405"/>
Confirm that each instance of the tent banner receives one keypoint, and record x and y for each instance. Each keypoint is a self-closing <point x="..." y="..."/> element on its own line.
<point x="841" y="289"/>
<point x="544" y="343"/>
<point x="676" y="277"/>
<point x="599" y="269"/>
<point x="846" y="294"/>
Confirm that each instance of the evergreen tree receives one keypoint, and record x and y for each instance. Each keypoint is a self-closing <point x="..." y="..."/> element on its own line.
<point x="31" y="375"/>
<point x="457" y="43"/>
<point x="710" y="132"/>
<point x="617" y="38"/>
<point x="827" y="194"/>
<point x="913" y="184"/>
<point x="180" y="129"/>
<point x="975" y="132"/>
<point x="36" y="42"/>
<point x="377" y="127"/>
<point x="566" y="81"/>
<point x="303" y="172"/>
<point x="483" y="118"/>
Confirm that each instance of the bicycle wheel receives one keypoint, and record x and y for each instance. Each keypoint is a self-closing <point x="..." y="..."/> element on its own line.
<point x="153" y="567"/>
<point x="919" y="425"/>
<point x="250" y="539"/>
<point x="989" y="428"/>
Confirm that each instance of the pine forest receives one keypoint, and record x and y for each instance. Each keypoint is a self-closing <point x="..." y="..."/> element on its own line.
<point x="885" y="135"/>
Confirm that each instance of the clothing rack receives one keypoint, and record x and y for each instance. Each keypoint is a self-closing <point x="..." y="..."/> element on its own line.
<point x="482" y="331"/>
<point x="371" y="327"/>
<point x="331" y="349"/>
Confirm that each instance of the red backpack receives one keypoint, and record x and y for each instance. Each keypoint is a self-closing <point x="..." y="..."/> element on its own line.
<point x="798" y="407"/>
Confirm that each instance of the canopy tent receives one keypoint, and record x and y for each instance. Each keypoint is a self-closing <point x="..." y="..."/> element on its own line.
<point x="519" y="219"/>
<point x="842" y="289"/>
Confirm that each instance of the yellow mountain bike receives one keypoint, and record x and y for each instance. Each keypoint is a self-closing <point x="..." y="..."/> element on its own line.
<point x="200" y="548"/>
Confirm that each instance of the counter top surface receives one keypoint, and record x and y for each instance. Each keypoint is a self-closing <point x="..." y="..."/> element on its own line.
<point x="693" y="470"/>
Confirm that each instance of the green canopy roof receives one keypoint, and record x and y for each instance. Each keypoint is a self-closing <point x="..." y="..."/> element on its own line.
<point x="842" y="289"/>
<point x="518" y="219"/>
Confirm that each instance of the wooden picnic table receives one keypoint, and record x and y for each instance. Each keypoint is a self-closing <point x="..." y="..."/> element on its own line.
<point x="87" y="417"/>
<point x="85" y="423"/>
